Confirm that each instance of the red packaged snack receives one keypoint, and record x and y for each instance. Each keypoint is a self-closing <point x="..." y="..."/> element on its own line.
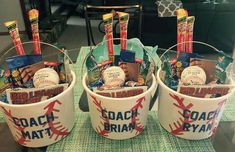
<point x="14" y="33"/>
<point x="33" y="17"/>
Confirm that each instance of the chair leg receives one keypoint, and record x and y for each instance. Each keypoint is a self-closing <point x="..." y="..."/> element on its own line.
<point x="140" y="22"/>
<point x="87" y="27"/>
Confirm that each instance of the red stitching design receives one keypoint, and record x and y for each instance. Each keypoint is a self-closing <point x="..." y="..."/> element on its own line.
<point x="57" y="128"/>
<point x="19" y="137"/>
<point x="139" y="104"/>
<point x="178" y="125"/>
<point x="99" y="107"/>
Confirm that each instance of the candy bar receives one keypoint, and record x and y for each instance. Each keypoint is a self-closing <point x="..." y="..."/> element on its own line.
<point x="122" y="92"/>
<point x="123" y="21"/>
<point x="32" y="95"/>
<point x="108" y="25"/>
<point x="33" y="18"/>
<point x="14" y="33"/>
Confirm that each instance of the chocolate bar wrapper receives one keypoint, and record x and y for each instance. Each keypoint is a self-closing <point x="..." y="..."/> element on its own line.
<point x="205" y="91"/>
<point x="122" y="92"/>
<point x="33" y="95"/>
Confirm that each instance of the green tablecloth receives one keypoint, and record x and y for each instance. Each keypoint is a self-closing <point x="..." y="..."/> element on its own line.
<point x="153" y="138"/>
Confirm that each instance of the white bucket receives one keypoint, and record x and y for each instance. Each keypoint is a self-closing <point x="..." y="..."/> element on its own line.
<point x="119" y="118"/>
<point x="42" y="123"/>
<point x="188" y="117"/>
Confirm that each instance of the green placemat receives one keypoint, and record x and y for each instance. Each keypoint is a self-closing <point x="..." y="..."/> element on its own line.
<point x="153" y="138"/>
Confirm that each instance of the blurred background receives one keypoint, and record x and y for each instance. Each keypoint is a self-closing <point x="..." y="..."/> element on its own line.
<point x="64" y="21"/>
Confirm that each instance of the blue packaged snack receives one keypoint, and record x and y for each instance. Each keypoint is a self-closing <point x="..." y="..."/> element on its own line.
<point x="22" y="61"/>
<point x="169" y="76"/>
<point x="127" y="56"/>
<point x="117" y="59"/>
<point x="23" y="77"/>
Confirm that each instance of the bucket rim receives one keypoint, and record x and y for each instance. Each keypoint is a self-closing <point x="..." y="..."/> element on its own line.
<point x="71" y="86"/>
<point x="149" y="90"/>
<point x="159" y="81"/>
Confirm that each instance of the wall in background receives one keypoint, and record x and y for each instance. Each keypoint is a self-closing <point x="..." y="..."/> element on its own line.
<point x="11" y="10"/>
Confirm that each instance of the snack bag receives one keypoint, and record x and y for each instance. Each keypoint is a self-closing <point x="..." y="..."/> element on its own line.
<point x="221" y="65"/>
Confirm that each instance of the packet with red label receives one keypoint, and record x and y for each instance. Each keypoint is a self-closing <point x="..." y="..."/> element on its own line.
<point x="33" y="18"/>
<point x="14" y="33"/>
<point x="108" y="25"/>
<point x="123" y="21"/>
<point x="189" y="34"/>
<point x="181" y="29"/>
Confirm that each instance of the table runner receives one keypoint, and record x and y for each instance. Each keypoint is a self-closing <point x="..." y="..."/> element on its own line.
<point x="154" y="137"/>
